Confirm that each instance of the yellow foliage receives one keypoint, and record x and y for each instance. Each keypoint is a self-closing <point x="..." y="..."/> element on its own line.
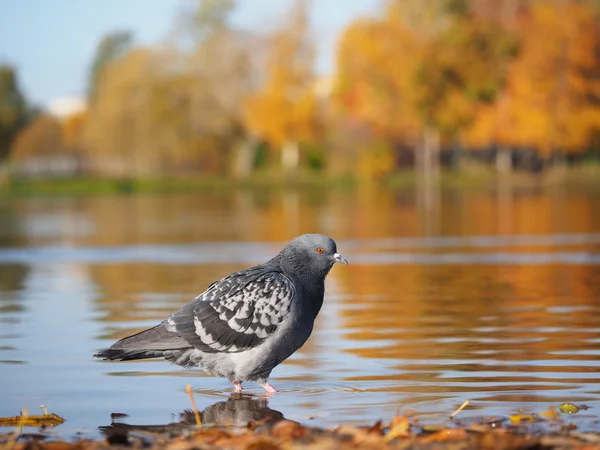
<point x="548" y="102"/>
<point x="72" y="130"/>
<point x="375" y="61"/>
<point x="285" y="109"/>
<point x="418" y="68"/>
<point x="375" y="161"/>
<point x="42" y="137"/>
<point x="477" y="73"/>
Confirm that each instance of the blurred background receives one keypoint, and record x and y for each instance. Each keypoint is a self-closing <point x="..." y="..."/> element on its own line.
<point x="225" y="89"/>
<point x="450" y="147"/>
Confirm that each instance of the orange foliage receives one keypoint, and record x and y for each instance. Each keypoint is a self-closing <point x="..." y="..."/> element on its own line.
<point x="420" y="67"/>
<point x="72" y="130"/>
<point x="375" y="61"/>
<point x="551" y="100"/>
<point x="285" y="108"/>
<point x="508" y="73"/>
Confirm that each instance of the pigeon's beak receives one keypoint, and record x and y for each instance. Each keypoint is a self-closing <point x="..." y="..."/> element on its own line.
<point x="340" y="259"/>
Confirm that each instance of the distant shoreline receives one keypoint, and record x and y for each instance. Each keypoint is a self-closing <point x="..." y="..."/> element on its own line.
<point x="586" y="177"/>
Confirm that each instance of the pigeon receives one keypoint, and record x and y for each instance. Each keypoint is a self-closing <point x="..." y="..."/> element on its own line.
<point x="248" y="322"/>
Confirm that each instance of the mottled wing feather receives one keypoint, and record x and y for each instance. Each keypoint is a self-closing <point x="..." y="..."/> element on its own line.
<point x="236" y="313"/>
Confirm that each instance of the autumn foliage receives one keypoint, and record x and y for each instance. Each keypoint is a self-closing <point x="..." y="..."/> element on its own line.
<point x="283" y="111"/>
<point x="413" y="81"/>
<point x="551" y="97"/>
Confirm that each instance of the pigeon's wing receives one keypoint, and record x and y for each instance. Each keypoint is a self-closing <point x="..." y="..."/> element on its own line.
<point x="236" y="313"/>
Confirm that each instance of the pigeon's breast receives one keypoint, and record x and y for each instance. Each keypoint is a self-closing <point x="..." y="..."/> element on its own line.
<point x="258" y="362"/>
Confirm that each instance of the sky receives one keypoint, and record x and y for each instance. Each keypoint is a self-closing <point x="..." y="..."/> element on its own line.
<point x="52" y="42"/>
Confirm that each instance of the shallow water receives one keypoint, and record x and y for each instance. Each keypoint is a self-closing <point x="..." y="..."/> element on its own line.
<point x="492" y="297"/>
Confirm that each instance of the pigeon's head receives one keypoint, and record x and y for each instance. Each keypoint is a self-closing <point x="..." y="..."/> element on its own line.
<point x="313" y="254"/>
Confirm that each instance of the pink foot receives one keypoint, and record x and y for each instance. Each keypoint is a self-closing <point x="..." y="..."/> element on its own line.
<point x="237" y="385"/>
<point x="268" y="387"/>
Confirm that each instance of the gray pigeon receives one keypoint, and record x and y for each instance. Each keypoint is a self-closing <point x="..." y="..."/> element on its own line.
<point x="247" y="323"/>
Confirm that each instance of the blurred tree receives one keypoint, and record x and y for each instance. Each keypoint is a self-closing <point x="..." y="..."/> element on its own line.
<point x="504" y="13"/>
<point x="175" y="108"/>
<point x="557" y="78"/>
<point x="42" y="137"/>
<point x="372" y="91"/>
<point x="202" y="19"/>
<point x="463" y="69"/>
<point x="110" y="48"/>
<point x="552" y="99"/>
<point x="419" y="73"/>
<point x="72" y="131"/>
<point x="37" y="147"/>
<point x="217" y="76"/>
<point x="73" y="139"/>
<point x="220" y="76"/>
<point x="501" y="12"/>
<point x="123" y="133"/>
<point x="284" y="110"/>
<point x="13" y="109"/>
<point x="375" y="61"/>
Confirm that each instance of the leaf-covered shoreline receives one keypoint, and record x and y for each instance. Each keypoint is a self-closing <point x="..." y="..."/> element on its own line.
<point x="552" y="429"/>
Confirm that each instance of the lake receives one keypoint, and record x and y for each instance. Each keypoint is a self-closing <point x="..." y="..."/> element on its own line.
<point x="491" y="296"/>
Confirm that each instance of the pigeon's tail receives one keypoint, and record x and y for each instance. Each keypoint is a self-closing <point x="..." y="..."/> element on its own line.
<point x="120" y="354"/>
<point x="155" y="342"/>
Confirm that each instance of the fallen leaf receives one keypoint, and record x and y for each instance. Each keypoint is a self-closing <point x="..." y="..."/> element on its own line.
<point x="399" y="428"/>
<point x="551" y="414"/>
<point x="432" y="428"/>
<point x="377" y="428"/>
<point x="568" y="408"/>
<point x="360" y="435"/>
<point x="248" y="442"/>
<point x="446" y="434"/>
<point x="288" y="429"/>
<point x="253" y="425"/>
<point x="65" y="445"/>
<point x="209" y="436"/>
<point x="49" y="420"/>
<point x="522" y="418"/>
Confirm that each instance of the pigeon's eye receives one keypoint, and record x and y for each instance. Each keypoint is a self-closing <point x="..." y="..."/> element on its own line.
<point x="319" y="250"/>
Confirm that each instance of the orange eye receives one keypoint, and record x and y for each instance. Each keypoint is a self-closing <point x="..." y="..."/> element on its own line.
<point x="319" y="250"/>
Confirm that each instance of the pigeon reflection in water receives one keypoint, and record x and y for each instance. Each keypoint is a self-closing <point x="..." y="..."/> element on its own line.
<point x="237" y="411"/>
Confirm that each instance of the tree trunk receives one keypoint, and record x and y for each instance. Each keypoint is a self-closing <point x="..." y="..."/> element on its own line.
<point x="4" y="175"/>
<point x="428" y="157"/>
<point x="503" y="161"/>
<point x="456" y="161"/>
<point x="428" y="191"/>
<point x="244" y="158"/>
<point x="560" y="162"/>
<point x="290" y="155"/>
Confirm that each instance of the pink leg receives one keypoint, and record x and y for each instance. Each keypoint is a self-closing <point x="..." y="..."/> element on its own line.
<point x="268" y="387"/>
<point x="237" y="385"/>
